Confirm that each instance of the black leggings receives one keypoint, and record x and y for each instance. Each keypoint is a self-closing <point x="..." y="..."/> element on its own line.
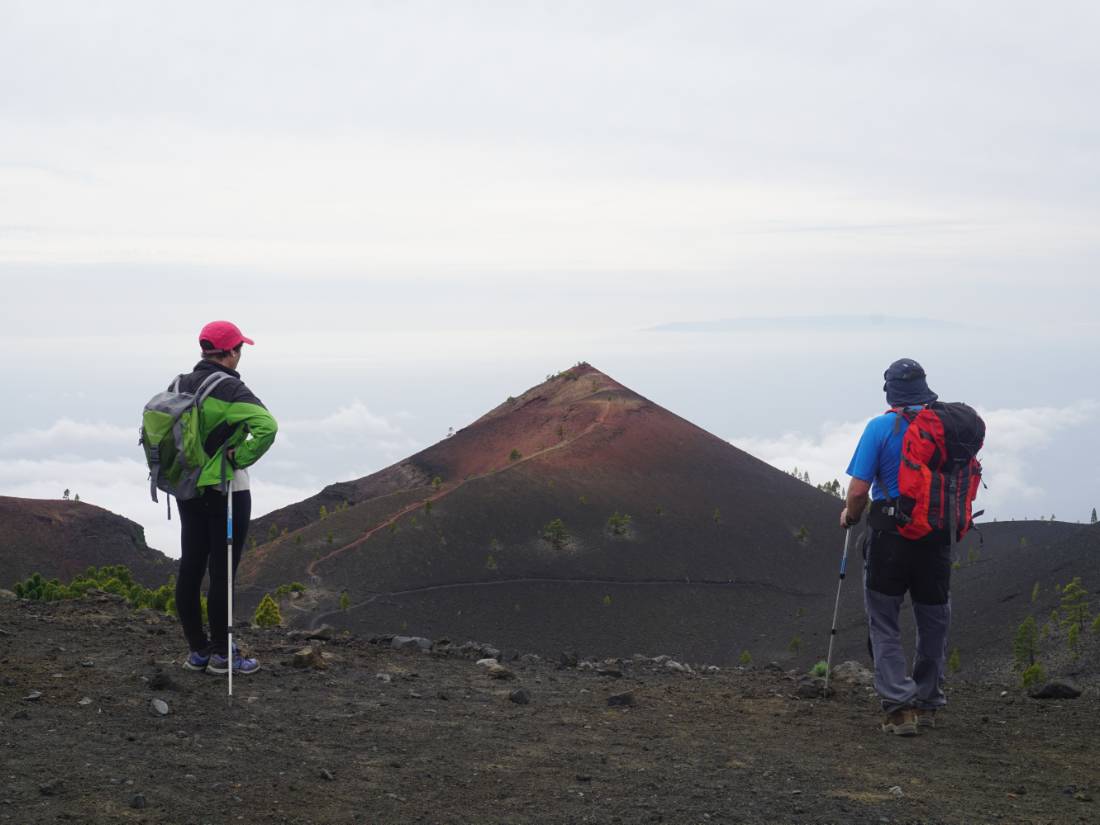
<point x="203" y="539"/>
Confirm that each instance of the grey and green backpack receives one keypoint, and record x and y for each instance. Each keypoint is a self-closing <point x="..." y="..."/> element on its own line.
<point x="172" y="436"/>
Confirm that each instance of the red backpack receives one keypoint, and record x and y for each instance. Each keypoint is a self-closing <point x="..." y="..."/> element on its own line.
<point x="939" y="474"/>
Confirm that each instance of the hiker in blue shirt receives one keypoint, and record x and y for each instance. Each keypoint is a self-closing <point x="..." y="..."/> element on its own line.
<point x="894" y="565"/>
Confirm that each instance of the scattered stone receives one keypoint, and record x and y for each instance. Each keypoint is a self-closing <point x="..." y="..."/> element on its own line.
<point x="529" y="659"/>
<point x="486" y="662"/>
<point x="310" y="657"/>
<point x="811" y="687"/>
<point x="584" y="777"/>
<point x="161" y="681"/>
<point x="51" y="788"/>
<point x="7" y="595"/>
<point x="675" y="666"/>
<point x="660" y="660"/>
<point x="621" y="700"/>
<point x="414" y="695"/>
<point x="33" y="696"/>
<point x="853" y="673"/>
<point x="773" y="667"/>
<point x="1081" y="796"/>
<point x="490" y="652"/>
<point x="160" y="707"/>
<point x="323" y="633"/>
<point x="138" y="801"/>
<point x="87" y="663"/>
<point x="712" y="670"/>
<point x="586" y="665"/>
<point x="566" y="660"/>
<point x="897" y="791"/>
<point x="1057" y="689"/>
<point x="499" y="671"/>
<point x="520" y="696"/>
<point x="84" y="702"/>
<point x="610" y="671"/>
<point x="326" y="774"/>
<point x="20" y="714"/>
<point x="410" y="643"/>
<point x="384" y="678"/>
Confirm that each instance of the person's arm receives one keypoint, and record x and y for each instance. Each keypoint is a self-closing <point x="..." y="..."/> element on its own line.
<point x="862" y="469"/>
<point x="247" y="409"/>
<point x="858" y="493"/>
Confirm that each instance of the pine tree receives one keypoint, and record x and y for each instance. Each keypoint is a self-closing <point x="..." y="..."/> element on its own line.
<point x="267" y="613"/>
<point x="1093" y="519"/>
<point x="1026" y="643"/>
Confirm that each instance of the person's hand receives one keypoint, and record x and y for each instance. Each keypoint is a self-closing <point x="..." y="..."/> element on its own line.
<point x="846" y="522"/>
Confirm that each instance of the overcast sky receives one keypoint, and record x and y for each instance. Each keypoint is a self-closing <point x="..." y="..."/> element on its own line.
<point x="418" y="209"/>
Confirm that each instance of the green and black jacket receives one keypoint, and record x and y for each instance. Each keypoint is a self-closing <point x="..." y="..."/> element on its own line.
<point x="233" y="418"/>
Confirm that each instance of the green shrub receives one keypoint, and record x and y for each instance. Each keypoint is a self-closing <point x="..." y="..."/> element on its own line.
<point x="556" y="533"/>
<point x="515" y="455"/>
<point x="745" y="658"/>
<point x="345" y="601"/>
<point x="1033" y="676"/>
<point x="954" y="661"/>
<point x="820" y="669"/>
<point x="607" y="601"/>
<point x="794" y="645"/>
<point x="267" y="613"/>
<point x="618" y="523"/>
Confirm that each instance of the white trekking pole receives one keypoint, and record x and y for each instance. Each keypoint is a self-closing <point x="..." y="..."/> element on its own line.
<point x="836" y="610"/>
<point x="229" y="580"/>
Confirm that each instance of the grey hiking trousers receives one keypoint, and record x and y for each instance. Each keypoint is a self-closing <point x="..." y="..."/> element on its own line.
<point x="892" y="567"/>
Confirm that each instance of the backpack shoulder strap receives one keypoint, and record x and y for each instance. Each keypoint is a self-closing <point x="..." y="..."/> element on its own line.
<point x="176" y="383"/>
<point x="207" y="386"/>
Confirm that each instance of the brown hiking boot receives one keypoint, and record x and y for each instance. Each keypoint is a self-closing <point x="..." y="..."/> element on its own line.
<point x="926" y="717"/>
<point x="901" y="722"/>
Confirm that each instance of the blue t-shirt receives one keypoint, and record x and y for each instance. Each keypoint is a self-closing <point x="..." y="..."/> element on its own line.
<point x="878" y="454"/>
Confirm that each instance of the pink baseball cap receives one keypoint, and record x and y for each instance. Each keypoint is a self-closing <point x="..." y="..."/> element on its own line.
<point x="224" y="335"/>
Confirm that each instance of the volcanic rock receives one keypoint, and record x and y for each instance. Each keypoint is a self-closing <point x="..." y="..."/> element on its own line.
<point x="621" y="700"/>
<point x="520" y="696"/>
<point x="1056" y="689"/>
<point x="410" y="643"/>
<point x="853" y="673"/>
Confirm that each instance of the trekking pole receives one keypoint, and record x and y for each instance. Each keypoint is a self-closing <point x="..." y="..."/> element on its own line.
<point x="229" y="580"/>
<point x="836" y="610"/>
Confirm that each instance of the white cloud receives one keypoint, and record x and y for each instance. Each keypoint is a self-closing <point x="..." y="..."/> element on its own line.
<point x="69" y="435"/>
<point x="354" y="420"/>
<point x="102" y="463"/>
<point x="824" y="456"/>
<point x="1015" y="441"/>
<point x="1013" y="438"/>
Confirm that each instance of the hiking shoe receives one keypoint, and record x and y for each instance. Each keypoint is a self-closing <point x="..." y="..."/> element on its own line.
<point x="901" y="722"/>
<point x="196" y="661"/>
<point x="926" y="717"/>
<point x="242" y="666"/>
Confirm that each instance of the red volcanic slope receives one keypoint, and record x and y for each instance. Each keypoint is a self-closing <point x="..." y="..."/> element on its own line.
<point x="60" y="539"/>
<point x="579" y="447"/>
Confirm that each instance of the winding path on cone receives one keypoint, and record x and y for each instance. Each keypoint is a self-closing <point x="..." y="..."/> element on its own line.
<point x="445" y="490"/>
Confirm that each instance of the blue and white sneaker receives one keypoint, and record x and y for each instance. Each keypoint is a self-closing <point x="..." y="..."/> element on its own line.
<point x="196" y="661"/>
<point x="242" y="666"/>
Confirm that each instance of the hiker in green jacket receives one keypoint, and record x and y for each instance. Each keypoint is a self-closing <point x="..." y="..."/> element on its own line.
<point x="238" y="430"/>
